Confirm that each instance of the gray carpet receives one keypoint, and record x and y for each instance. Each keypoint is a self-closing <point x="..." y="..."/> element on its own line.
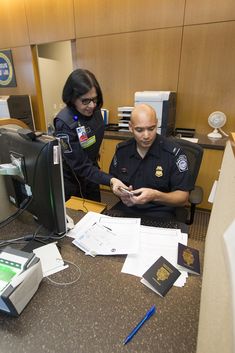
<point x="197" y="230"/>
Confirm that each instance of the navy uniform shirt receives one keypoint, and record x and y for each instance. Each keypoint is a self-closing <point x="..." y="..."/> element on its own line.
<point x="164" y="167"/>
<point x="81" y="159"/>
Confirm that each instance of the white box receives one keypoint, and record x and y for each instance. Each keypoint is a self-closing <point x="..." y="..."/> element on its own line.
<point x="163" y="103"/>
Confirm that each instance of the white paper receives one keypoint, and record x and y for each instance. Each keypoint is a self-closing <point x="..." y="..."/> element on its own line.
<point x="213" y="192"/>
<point x="156" y="242"/>
<point x="98" y="234"/>
<point x="51" y="259"/>
<point x="191" y="139"/>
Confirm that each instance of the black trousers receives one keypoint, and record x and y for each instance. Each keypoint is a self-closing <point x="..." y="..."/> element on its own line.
<point x="138" y="212"/>
<point x="81" y="188"/>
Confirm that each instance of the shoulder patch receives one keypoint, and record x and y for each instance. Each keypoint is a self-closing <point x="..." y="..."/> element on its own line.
<point x="65" y="144"/>
<point x="182" y="163"/>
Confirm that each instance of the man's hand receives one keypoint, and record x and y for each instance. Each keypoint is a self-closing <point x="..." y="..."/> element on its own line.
<point x="117" y="186"/>
<point x="143" y="195"/>
<point x="126" y="196"/>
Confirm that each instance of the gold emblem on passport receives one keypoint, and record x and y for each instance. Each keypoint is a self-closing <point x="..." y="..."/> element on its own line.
<point x="188" y="257"/>
<point x="159" y="171"/>
<point x="162" y="274"/>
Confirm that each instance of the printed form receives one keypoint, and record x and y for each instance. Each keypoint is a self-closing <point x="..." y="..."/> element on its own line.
<point x="97" y="234"/>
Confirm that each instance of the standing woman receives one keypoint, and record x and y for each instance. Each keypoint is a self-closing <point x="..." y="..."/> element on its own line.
<point x="80" y="127"/>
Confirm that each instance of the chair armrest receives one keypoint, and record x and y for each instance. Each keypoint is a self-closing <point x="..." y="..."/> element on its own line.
<point x="196" y="195"/>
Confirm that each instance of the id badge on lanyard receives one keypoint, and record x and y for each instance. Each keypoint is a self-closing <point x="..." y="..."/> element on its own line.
<point x="82" y="135"/>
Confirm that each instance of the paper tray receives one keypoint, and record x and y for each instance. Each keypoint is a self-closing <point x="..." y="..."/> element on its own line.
<point x="79" y="204"/>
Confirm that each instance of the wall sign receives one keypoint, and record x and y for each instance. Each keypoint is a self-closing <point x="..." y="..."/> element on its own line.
<point x="7" y="73"/>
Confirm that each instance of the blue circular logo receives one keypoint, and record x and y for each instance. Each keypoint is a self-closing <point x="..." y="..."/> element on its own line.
<point x="6" y="70"/>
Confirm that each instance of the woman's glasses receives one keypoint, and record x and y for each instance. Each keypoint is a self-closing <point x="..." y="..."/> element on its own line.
<point x="86" y="101"/>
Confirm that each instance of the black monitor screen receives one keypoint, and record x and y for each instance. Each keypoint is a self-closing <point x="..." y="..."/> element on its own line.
<point x="40" y="178"/>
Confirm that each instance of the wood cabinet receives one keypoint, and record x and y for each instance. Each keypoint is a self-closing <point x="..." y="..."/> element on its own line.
<point x="209" y="172"/>
<point x="107" y="151"/>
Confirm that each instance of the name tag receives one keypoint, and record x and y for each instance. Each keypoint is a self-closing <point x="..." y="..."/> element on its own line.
<point x="84" y="141"/>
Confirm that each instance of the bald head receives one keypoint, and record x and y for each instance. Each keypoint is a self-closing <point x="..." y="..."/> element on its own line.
<point x="143" y="112"/>
<point x="143" y="125"/>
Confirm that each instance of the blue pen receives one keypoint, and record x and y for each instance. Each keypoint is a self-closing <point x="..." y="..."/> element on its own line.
<point x="140" y="324"/>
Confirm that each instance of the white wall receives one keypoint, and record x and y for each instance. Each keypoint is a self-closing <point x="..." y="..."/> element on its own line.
<point x="55" y="64"/>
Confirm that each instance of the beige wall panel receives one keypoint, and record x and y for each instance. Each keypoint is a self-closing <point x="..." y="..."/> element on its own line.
<point x="50" y="21"/>
<point x="204" y="11"/>
<point x="207" y="76"/>
<point x="14" y="31"/>
<point x="22" y="60"/>
<point x="131" y="62"/>
<point x="115" y="16"/>
<point x="23" y="65"/>
<point x="216" y="320"/>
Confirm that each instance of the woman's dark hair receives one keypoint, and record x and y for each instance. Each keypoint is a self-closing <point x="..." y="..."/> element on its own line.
<point x="79" y="83"/>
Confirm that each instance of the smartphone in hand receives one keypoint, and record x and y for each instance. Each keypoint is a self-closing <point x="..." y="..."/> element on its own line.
<point x="125" y="191"/>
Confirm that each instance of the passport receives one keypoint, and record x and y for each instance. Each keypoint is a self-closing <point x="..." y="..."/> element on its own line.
<point x="161" y="276"/>
<point x="188" y="259"/>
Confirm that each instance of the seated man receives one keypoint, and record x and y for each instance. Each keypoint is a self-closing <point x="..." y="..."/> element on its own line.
<point x="154" y="167"/>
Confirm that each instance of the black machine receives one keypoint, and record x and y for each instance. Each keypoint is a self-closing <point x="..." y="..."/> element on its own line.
<point x="34" y="177"/>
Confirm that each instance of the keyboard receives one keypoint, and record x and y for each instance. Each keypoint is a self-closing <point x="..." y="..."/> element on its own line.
<point x="150" y="221"/>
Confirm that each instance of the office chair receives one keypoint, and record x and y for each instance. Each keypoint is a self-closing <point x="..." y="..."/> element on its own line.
<point x="184" y="214"/>
<point x="194" y="153"/>
<point x="13" y="122"/>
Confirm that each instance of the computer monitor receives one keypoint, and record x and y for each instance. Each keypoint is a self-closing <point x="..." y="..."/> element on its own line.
<point x="38" y="185"/>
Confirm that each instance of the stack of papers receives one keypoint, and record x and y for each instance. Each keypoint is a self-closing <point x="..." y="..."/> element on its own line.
<point x="154" y="243"/>
<point x="98" y="234"/>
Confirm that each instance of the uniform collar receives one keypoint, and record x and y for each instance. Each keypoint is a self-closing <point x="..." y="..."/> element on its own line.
<point x="154" y="150"/>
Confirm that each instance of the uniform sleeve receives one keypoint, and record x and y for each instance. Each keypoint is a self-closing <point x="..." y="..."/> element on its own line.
<point x="76" y="158"/>
<point x="180" y="177"/>
<point x="113" y="166"/>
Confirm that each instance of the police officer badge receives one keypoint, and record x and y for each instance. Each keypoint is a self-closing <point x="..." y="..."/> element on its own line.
<point x="182" y="163"/>
<point x="159" y="171"/>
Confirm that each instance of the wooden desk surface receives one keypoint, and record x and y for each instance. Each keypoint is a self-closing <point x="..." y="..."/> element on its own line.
<point x="203" y="140"/>
<point x="95" y="314"/>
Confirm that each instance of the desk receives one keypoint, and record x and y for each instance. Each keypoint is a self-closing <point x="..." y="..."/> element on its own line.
<point x="95" y="314"/>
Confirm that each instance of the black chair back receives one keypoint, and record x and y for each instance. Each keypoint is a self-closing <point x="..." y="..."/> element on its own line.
<point x="194" y="153"/>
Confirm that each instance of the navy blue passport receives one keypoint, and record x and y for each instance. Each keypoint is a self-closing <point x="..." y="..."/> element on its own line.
<point x="188" y="259"/>
<point x="161" y="276"/>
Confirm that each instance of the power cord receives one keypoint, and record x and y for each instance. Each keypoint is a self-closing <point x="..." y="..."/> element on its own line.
<point x="67" y="283"/>
<point x="80" y="190"/>
<point x="34" y="236"/>
<point x="12" y="217"/>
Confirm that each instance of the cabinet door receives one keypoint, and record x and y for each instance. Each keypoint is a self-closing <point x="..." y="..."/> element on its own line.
<point x="107" y="151"/>
<point x="208" y="173"/>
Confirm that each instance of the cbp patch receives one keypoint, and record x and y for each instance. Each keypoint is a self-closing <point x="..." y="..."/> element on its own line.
<point x="65" y="144"/>
<point x="182" y="163"/>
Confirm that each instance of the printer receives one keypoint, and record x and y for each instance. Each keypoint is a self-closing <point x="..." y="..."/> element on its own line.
<point x="164" y="103"/>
